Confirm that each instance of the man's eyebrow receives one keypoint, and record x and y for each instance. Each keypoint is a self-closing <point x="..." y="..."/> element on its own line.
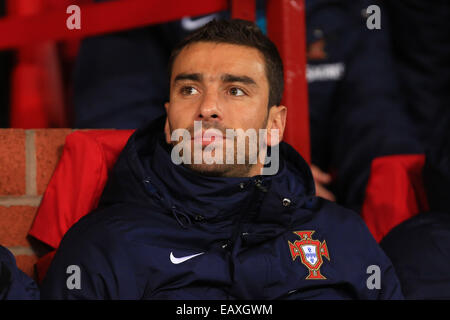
<point x="235" y="78"/>
<point x="188" y="76"/>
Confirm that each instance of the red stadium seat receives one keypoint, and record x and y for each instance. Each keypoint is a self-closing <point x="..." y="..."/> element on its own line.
<point x="394" y="193"/>
<point x="84" y="165"/>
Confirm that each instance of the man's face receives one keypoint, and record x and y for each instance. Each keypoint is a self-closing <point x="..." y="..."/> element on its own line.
<point x="225" y="87"/>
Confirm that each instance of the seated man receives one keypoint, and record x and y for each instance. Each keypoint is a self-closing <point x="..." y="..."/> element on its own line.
<point x="14" y="284"/>
<point x="420" y="246"/>
<point x="176" y="221"/>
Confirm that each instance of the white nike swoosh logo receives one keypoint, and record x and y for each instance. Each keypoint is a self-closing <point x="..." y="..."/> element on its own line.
<point x="189" y="24"/>
<point x="175" y="260"/>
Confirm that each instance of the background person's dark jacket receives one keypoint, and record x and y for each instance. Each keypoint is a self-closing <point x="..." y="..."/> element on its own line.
<point x="420" y="247"/>
<point x="14" y="283"/>
<point x="152" y="209"/>
<point x="357" y="110"/>
<point x="421" y="46"/>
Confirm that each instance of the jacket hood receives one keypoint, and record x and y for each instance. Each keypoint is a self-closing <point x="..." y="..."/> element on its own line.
<point x="145" y="172"/>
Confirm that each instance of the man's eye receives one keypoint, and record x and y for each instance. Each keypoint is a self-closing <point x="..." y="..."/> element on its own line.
<point x="188" y="91"/>
<point x="237" y="92"/>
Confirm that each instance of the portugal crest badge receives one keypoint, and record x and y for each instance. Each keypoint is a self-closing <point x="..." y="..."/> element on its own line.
<point x="310" y="252"/>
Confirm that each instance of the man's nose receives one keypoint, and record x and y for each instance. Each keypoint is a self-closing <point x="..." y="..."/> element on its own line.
<point x="209" y="109"/>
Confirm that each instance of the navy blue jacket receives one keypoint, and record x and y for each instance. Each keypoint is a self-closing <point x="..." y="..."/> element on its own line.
<point x="14" y="283"/>
<point x="420" y="251"/>
<point x="153" y="212"/>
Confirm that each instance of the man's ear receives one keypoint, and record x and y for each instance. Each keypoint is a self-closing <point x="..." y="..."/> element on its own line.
<point x="276" y="120"/>
<point x="166" y="125"/>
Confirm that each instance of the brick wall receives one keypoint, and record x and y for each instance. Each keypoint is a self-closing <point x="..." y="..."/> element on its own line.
<point x="27" y="161"/>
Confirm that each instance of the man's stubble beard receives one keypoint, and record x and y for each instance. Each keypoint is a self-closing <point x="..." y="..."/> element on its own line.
<point x="224" y="169"/>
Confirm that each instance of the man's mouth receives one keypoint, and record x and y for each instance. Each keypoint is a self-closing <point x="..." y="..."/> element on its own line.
<point x="207" y="137"/>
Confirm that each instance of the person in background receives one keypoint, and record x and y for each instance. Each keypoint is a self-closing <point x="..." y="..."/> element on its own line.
<point x="421" y="47"/>
<point x="420" y="247"/>
<point x="357" y="110"/>
<point x="14" y="283"/>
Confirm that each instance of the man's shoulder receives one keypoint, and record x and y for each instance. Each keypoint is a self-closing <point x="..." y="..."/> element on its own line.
<point x="334" y="213"/>
<point x="102" y="223"/>
<point x="336" y="222"/>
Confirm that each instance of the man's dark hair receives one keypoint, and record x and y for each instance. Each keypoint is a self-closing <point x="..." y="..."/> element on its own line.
<point x="244" y="33"/>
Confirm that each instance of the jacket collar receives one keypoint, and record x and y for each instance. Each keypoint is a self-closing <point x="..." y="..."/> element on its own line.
<point x="148" y="157"/>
